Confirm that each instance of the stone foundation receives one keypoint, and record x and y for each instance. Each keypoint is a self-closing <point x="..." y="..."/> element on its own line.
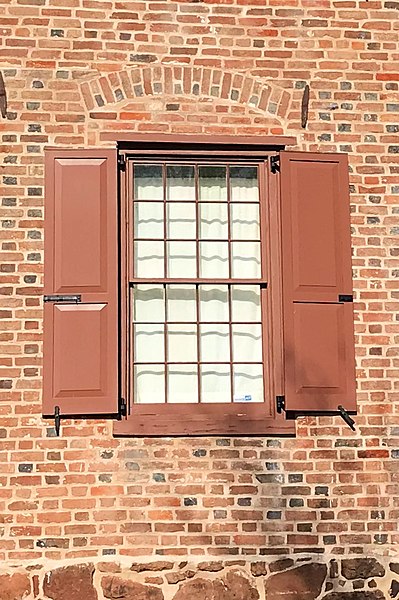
<point x="284" y="579"/>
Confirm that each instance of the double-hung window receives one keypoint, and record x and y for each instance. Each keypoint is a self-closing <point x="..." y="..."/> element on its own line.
<point x="197" y="293"/>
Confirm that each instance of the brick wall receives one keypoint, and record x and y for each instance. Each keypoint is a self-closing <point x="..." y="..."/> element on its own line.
<point x="76" y="69"/>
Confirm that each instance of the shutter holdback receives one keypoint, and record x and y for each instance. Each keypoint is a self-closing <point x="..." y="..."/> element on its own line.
<point x="348" y="420"/>
<point x="57" y="420"/>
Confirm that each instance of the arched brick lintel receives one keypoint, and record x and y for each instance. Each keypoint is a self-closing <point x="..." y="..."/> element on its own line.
<point x="171" y="80"/>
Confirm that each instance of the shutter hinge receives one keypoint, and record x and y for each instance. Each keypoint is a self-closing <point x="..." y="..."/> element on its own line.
<point x="123" y="408"/>
<point x="280" y="403"/>
<point x="345" y="298"/>
<point x="122" y="162"/>
<point x="275" y="163"/>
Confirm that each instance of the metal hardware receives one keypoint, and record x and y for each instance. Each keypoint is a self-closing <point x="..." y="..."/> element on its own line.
<point x="63" y="298"/>
<point x="57" y="420"/>
<point x="122" y="162"/>
<point x="305" y="107"/>
<point x="275" y="163"/>
<point x="280" y="403"/>
<point x="345" y="298"/>
<point x="348" y="420"/>
<point x="123" y="408"/>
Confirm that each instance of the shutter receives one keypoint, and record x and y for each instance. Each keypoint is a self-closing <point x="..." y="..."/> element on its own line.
<point x="80" y="367"/>
<point x="319" y="360"/>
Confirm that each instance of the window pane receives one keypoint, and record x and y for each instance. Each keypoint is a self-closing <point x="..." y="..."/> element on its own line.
<point x="214" y="259"/>
<point x="181" y="303"/>
<point x="213" y="303"/>
<point x="181" y="259"/>
<point x="148" y="183"/>
<point x="248" y="383"/>
<point x="213" y="221"/>
<point x="245" y="303"/>
<point x="244" y="221"/>
<point x="244" y="184"/>
<point x="212" y="184"/>
<point x="182" y="383"/>
<point x="182" y="343"/>
<point x="148" y="220"/>
<point x="181" y="220"/>
<point x="214" y="343"/>
<point x="149" y="343"/>
<point x="149" y="384"/>
<point x="149" y="259"/>
<point x="247" y="343"/>
<point x="180" y="182"/>
<point x="215" y="383"/>
<point x="246" y="259"/>
<point x="148" y="304"/>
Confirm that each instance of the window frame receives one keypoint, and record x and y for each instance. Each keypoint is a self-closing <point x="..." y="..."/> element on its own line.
<point x="224" y="418"/>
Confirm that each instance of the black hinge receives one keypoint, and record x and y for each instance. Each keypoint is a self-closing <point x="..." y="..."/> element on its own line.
<point x="123" y="408"/>
<point x="280" y="403"/>
<point x="275" y="163"/>
<point x="122" y="162"/>
<point x="345" y="298"/>
<point x="63" y="298"/>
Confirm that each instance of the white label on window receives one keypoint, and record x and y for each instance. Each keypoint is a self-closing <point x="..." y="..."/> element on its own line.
<point x="246" y="398"/>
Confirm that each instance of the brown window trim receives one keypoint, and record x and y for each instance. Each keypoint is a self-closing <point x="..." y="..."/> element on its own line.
<point x="208" y="419"/>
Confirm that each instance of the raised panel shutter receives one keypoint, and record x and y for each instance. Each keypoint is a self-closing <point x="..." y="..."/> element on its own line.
<point x="80" y="370"/>
<point x="319" y="361"/>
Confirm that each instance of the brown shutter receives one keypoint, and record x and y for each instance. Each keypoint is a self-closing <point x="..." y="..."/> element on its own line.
<point x="319" y="364"/>
<point x="80" y="369"/>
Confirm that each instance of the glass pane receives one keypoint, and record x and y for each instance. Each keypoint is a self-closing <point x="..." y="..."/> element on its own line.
<point x="213" y="221"/>
<point x="148" y="259"/>
<point x="148" y="220"/>
<point x="180" y="182"/>
<point x="148" y="304"/>
<point x="245" y="259"/>
<point x="215" y="343"/>
<point x="182" y="343"/>
<point x="212" y="184"/>
<point x="248" y="383"/>
<point x="244" y="221"/>
<point x="182" y="383"/>
<point x="148" y="183"/>
<point x="245" y="303"/>
<point x="149" y="384"/>
<point x="214" y="259"/>
<point x="181" y="259"/>
<point x="181" y="303"/>
<point x="244" y="184"/>
<point x="215" y="383"/>
<point x="247" y="343"/>
<point x="213" y="303"/>
<point x="181" y="220"/>
<point x="149" y="343"/>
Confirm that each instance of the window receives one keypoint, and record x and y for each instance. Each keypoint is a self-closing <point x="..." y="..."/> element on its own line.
<point x="211" y="295"/>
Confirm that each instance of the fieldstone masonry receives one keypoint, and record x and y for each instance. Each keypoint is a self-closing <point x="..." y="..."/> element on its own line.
<point x="282" y="579"/>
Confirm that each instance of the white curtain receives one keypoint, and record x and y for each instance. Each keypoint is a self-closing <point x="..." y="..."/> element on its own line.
<point x="165" y="317"/>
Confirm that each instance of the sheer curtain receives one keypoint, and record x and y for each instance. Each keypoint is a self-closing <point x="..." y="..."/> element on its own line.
<point x="176" y="217"/>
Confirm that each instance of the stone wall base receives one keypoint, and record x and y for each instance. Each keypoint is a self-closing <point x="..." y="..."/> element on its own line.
<point x="298" y="578"/>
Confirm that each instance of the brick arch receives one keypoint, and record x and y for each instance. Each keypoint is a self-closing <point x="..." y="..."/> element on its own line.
<point x="135" y="83"/>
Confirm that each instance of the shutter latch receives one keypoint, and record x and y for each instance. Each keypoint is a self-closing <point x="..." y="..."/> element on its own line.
<point x="63" y="298"/>
<point x="348" y="420"/>
<point x="275" y="163"/>
<point x="280" y="403"/>
<point x="57" y="420"/>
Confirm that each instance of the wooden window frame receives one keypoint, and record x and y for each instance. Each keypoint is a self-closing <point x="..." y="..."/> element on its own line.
<point x="209" y="419"/>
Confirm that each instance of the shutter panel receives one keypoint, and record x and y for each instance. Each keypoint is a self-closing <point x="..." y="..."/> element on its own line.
<point x="319" y="360"/>
<point x="80" y="367"/>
